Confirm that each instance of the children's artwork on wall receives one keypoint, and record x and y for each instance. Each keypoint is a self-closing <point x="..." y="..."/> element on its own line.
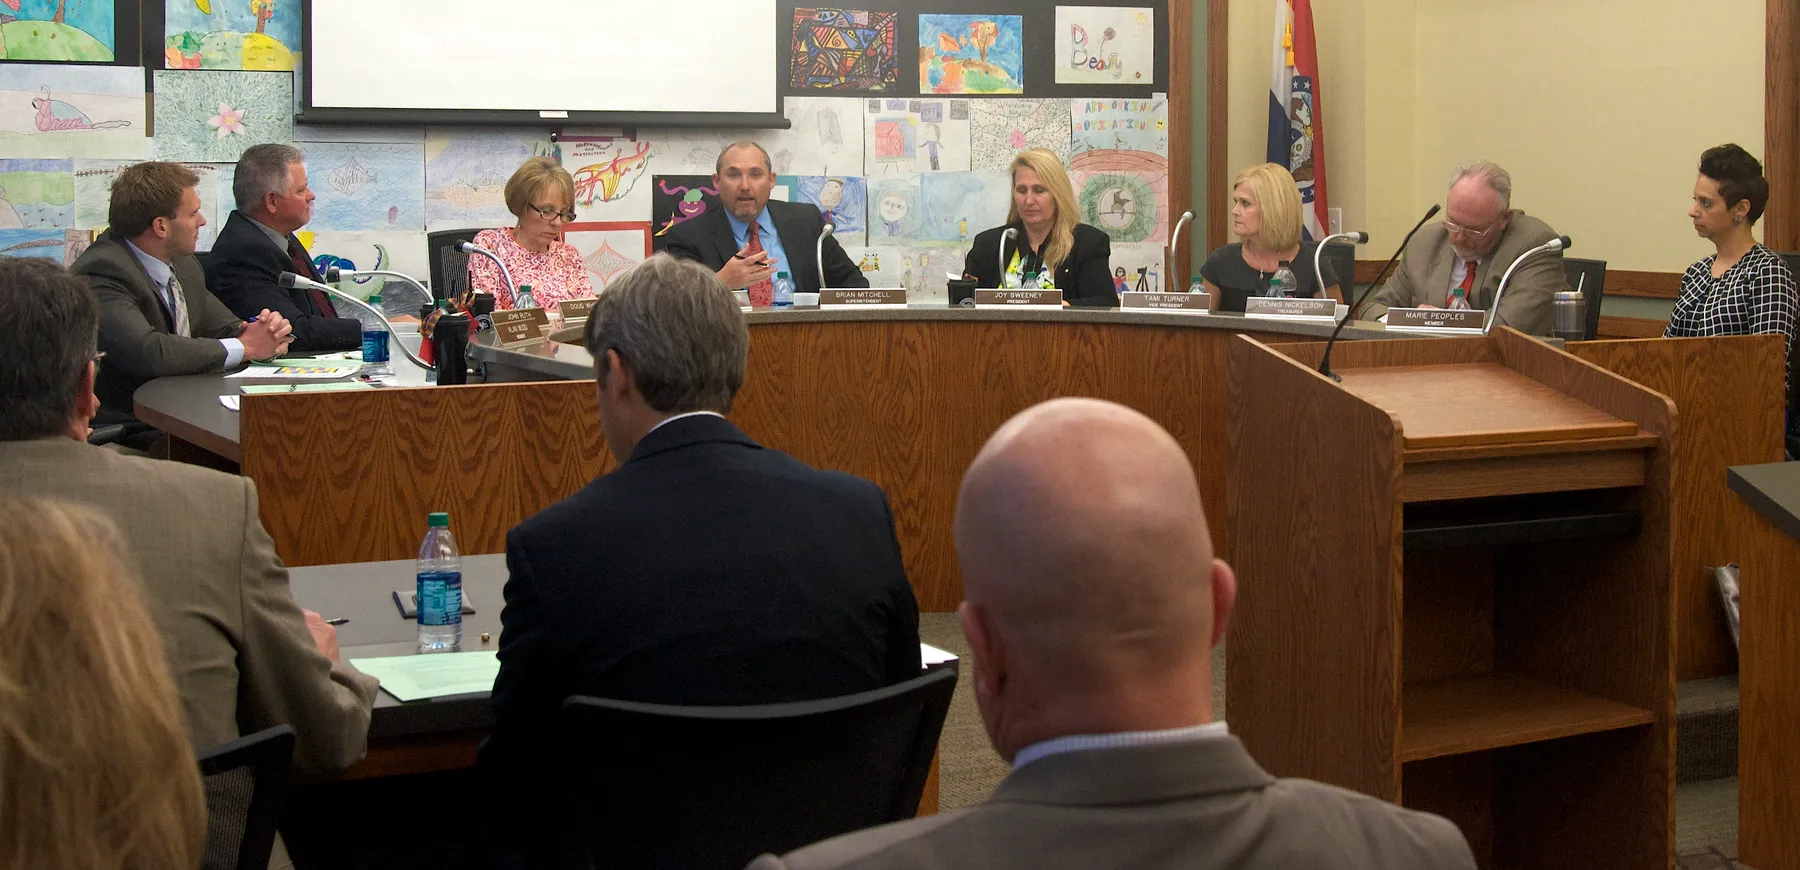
<point x="895" y="212"/>
<point x="842" y="200"/>
<point x="57" y="30"/>
<point x="678" y="198"/>
<point x="971" y="54"/>
<point x="904" y="136"/>
<point x="60" y="111"/>
<point x="923" y="272"/>
<point x="1138" y="267"/>
<point x="826" y="137"/>
<point x="45" y="243"/>
<point x="957" y="205"/>
<point x="1000" y="129"/>
<point x="612" y="177"/>
<point x="1118" y="161"/>
<point x="37" y="194"/>
<point x="213" y="116"/>
<point x="1105" y="45"/>
<point x="304" y="133"/>
<point x="1127" y="206"/>
<point x="1121" y="125"/>
<point x="466" y="173"/>
<point x="92" y="186"/>
<point x="231" y="34"/>
<point x="403" y="252"/>
<point x="844" y="49"/>
<point x="367" y="187"/>
<point x="609" y="248"/>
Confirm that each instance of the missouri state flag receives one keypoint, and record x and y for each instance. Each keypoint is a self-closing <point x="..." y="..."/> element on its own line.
<point x="1296" y="124"/>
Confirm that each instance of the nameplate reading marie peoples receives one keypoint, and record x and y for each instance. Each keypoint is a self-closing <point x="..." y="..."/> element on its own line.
<point x="1435" y="318"/>
<point x="860" y="297"/>
<point x="521" y="326"/>
<point x="1165" y="301"/>
<point x="1279" y="306"/>
<point x="575" y="309"/>
<point x="1015" y="298"/>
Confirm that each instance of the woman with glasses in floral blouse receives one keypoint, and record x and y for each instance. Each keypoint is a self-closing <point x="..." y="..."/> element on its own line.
<point x="542" y="194"/>
<point x="1743" y="288"/>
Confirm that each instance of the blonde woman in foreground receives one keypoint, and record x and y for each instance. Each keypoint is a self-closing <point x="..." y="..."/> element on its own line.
<point x="1050" y="247"/>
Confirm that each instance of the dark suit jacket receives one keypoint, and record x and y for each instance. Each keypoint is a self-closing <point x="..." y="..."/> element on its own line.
<point x="137" y="332"/>
<point x="1085" y="276"/>
<point x="706" y="570"/>
<point x="1202" y="805"/>
<point x="244" y="271"/>
<point x="707" y="239"/>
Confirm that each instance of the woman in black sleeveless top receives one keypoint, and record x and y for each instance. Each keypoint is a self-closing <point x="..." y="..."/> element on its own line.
<point x="1265" y="216"/>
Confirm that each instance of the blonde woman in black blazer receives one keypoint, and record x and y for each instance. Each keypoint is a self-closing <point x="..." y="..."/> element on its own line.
<point x="1048" y="240"/>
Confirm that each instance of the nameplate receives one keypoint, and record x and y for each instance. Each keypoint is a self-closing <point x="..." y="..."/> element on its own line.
<point x="1435" y="318"/>
<point x="521" y="326"/>
<point x="1165" y="301"/>
<point x="575" y="309"/>
<point x="1289" y="307"/>
<point x="859" y="297"/>
<point x="743" y="298"/>
<point x="1015" y="298"/>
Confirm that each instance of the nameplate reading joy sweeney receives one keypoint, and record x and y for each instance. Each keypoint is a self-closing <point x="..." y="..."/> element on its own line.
<point x="1279" y="306"/>
<point x="1164" y="301"/>
<point x="1013" y="298"/>
<point x="858" y="297"/>
<point x="521" y="326"/>
<point x="1435" y="318"/>
<point x="575" y="309"/>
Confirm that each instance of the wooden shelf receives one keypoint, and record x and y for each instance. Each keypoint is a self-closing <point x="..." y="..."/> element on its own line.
<point x="1474" y="527"/>
<point x="1474" y="713"/>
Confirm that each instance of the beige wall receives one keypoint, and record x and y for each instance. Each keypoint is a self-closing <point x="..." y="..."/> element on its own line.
<point x="1600" y="108"/>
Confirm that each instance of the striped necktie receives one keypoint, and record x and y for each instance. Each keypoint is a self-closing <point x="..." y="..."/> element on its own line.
<point x="178" y="307"/>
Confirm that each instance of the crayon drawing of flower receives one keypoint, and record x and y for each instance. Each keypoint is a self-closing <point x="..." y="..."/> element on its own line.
<point x="228" y="121"/>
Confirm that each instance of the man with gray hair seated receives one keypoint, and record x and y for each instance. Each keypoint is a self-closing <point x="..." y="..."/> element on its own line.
<point x="1458" y="262"/>
<point x="1092" y="667"/>
<point x="704" y="570"/>
<point x="258" y="244"/>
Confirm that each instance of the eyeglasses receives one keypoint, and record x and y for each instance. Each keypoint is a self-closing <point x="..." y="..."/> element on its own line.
<point x="96" y="358"/>
<point x="548" y="212"/>
<point x="1470" y="232"/>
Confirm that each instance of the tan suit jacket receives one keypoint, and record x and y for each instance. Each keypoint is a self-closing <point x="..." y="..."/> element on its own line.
<point x="1195" y="805"/>
<point x="241" y="654"/>
<point x="1423" y="277"/>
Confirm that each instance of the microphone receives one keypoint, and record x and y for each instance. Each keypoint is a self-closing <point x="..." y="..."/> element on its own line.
<point x="819" y="253"/>
<point x="1175" y="237"/>
<point x="1325" y="362"/>
<point x="1011" y="232"/>
<point x="291" y="281"/>
<point x="1560" y="243"/>
<point x="1355" y="237"/>
<point x="519" y="301"/>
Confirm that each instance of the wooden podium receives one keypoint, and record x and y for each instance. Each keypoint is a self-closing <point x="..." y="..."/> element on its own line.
<point x="1455" y="589"/>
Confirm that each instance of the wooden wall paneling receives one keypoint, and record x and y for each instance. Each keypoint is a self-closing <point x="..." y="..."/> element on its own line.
<point x="1314" y="684"/>
<point x="1646" y="285"/>
<point x="1631" y="327"/>
<point x="1781" y="124"/>
<point x="1181" y="133"/>
<point x="1769" y="715"/>
<point x="1586" y="801"/>
<point x="1218" y="119"/>
<point x="1728" y="392"/>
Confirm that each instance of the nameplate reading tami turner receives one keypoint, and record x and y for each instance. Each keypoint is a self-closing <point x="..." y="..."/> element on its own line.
<point x="1011" y="298"/>
<point x="1132" y="299"/>
<point x="521" y="326"/>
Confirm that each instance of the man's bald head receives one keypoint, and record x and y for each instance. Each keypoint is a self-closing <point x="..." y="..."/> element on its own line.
<point x="1081" y="535"/>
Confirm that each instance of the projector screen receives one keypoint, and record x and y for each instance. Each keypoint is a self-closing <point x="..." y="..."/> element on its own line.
<point x="544" y="57"/>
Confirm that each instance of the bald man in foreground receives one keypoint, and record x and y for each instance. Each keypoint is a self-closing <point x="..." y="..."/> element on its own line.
<point x="1092" y="666"/>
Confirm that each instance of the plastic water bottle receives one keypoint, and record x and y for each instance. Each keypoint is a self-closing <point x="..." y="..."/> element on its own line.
<point x="1282" y="283"/>
<point x="784" y="290"/>
<point x="1197" y="285"/>
<point x="440" y="588"/>
<point x="374" y="341"/>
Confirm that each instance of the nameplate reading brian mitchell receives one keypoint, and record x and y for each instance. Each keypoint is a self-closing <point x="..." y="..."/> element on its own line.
<point x="860" y="297"/>
<point x="521" y="326"/>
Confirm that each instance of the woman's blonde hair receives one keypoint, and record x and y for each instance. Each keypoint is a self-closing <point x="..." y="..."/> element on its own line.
<point x="531" y="175"/>
<point x="95" y="766"/>
<point x="1049" y="170"/>
<point x="1277" y="200"/>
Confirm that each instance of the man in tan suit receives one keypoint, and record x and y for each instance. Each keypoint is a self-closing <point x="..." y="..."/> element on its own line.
<point x="1092" y="666"/>
<point x="245" y="656"/>
<point x="1458" y="262"/>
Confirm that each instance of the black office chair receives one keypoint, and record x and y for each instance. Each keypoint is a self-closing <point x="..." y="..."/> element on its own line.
<point x="648" y="785"/>
<point x="1342" y="260"/>
<point x="245" y="782"/>
<point x="1590" y="276"/>
<point x="1792" y="259"/>
<point x="449" y="266"/>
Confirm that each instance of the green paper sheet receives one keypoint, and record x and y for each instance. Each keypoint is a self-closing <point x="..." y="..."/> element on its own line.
<point x="433" y="675"/>
<point x="328" y="387"/>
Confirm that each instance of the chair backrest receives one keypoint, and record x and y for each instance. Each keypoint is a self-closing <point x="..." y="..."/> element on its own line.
<point x="1590" y="276"/>
<point x="1792" y="259"/>
<point x="648" y="785"/>
<point x="449" y="266"/>
<point x="245" y="783"/>
<point x="1342" y="259"/>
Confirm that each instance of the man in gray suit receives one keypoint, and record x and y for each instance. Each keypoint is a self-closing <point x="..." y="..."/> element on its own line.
<point x="156" y="317"/>
<point x="244" y="655"/>
<point x="1092" y="667"/>
<point x="1458" y="262"/>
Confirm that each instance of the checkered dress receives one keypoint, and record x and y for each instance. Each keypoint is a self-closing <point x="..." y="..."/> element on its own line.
<point x="1755" y="296"/>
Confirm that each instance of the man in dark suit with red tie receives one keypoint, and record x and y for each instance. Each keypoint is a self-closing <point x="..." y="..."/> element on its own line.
<point x="258" y="244"/>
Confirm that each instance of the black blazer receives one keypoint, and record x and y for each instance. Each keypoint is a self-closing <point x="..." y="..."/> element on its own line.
<point x="1085" y="276"/>
<point x="705" y="570"/>
<point x="244" y="271"/>
<point x="707" y="239"/>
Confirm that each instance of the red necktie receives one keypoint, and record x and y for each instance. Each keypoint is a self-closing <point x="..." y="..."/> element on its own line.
<point x="304" y="268"/>
<point x="762" y="293"/>
<point x="1465" y="289"/>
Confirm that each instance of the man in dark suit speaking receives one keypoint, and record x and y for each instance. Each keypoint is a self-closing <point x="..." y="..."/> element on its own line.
<point x="750" y="239"/>
<point x="704" y="570"/>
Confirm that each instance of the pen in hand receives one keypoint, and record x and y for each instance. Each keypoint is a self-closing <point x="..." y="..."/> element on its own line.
<point x="338" y="621"/>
